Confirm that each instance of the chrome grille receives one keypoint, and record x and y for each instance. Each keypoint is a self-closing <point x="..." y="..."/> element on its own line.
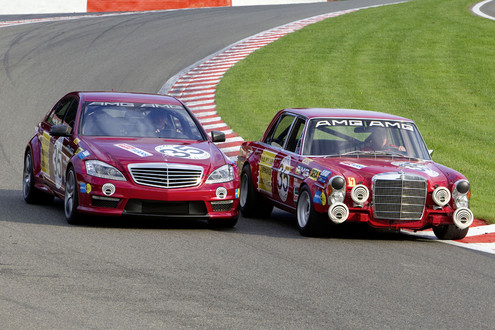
<point x="164" y="175"/>
<point x="399" y="196"/>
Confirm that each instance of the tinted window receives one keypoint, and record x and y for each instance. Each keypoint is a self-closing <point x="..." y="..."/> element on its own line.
<point x="138" y="120"/>
<point x="280" y="131"/>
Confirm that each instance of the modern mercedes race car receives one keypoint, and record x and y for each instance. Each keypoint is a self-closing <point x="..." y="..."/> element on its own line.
<point x="340" y="165"/>
<point x="118" y="154"/>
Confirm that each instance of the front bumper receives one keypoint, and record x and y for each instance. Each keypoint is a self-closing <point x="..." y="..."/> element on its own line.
<point x="115" y="198"/>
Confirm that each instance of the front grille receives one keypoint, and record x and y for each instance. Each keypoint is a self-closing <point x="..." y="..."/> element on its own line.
<point x="165" y="208"/>
<point x="164" y="175"/>
<point x="222" y="206"/>
<point x="399" y="196"/>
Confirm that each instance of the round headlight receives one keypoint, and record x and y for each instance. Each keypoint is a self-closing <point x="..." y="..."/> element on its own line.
<point x="360" y="194"/>
<point x="337" y="182"/>
<point x="462" y="186"/>
<point x="441" y="196"/>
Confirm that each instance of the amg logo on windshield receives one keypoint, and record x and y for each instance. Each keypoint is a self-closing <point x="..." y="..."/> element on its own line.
<point x="370" y="123"/>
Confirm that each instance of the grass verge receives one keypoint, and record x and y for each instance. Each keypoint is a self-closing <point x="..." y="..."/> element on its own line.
<point x="428" y="60"/>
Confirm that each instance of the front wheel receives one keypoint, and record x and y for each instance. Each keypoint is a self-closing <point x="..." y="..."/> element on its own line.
<point x="309" y="222"/>
<point x="71" y="198"/>
<point x="450" y="232"/>
<point x="250" y="203"/>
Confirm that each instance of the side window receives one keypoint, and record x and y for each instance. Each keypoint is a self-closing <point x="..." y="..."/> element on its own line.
<point x="279" y="133"/>
<point x="294" y="143"/>
<point x="70" y="116"/>
<point x="56" y="117"/>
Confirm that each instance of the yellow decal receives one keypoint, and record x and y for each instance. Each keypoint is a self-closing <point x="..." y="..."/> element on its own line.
<point x="45" y="153"/>
<point x="307" y="161"/>
<point x="314" y="174"/>
<point x="351" y="182"/>
<point x="265" y="171"/>
<point x="76" y="141"/>
<point x="323" y="199"/>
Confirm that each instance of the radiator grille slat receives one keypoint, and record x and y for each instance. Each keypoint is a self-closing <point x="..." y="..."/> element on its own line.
<point x="399" y="196"/>
<point x="164" y="175"/>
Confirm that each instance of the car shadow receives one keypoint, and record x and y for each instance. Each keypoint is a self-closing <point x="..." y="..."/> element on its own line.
<point x="280" y="224"/>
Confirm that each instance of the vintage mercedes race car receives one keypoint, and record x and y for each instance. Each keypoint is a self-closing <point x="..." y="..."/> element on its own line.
<point x="340" y="165"/>
<point x="118" y="154"/>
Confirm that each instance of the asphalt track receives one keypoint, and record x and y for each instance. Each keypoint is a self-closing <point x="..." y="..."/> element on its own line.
<point x="136" y="273"/>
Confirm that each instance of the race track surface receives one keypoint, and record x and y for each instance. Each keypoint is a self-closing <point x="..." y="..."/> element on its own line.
<point x="151" y="274"/>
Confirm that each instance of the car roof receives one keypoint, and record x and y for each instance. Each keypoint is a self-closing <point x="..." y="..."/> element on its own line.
<point x="127" y="97"/>
<point x="344" y="113"/>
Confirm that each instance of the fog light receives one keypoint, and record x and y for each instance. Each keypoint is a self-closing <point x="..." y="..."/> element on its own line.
<point x="338" y="213"/>
<point x="360" y="194"/>
<point x="441" y="196"/>
<point x="463" y="218"/>
<point x="221" y="192"/>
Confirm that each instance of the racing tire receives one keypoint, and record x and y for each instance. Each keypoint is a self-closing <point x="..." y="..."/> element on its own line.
<point x="71" y="198"/>
<point x="251" y="203"/>
<point x="31" y="194"/>
<point x="223" y="223"/>
<point x="309" y="222"/>
<point x="450" y="232"/>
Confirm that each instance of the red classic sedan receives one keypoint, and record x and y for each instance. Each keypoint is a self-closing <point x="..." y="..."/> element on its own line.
<point x="340" y="165"/>
<point x="118" y="154"/>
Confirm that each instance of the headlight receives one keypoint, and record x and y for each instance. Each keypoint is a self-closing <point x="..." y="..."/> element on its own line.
<point x="224" y="173"/>
<point x="460" y="193"/>
<point x="103" y="170"/>
<point x="360" y="194"/>
<point x="336" y="189"/>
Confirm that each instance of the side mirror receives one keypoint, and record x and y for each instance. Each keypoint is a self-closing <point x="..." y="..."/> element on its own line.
<point x="430" y="152"/>
<point x="217" y="136"/>
<point x="60" y="130"/>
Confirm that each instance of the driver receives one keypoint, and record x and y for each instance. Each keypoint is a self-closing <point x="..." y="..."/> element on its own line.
<point x="161" y="121"/>
<point x="379" y="141"/>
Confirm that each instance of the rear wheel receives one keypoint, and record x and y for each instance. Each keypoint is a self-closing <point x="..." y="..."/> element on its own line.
<point x="450" y="232"/>
<point x="71" y="198"/>
<point x="309" y="222"/>
<point x="251" y="203"/>
<point x="30" y="193"/>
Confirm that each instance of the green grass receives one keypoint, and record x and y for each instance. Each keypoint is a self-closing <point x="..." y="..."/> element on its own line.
<point x="429" y="60"/>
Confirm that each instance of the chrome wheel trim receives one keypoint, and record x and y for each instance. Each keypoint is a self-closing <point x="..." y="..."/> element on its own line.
<point x="69" y="194"/>
<point x="28" y="165"/>
<point x="303" y="209"/>
<point x="244" y="190"/>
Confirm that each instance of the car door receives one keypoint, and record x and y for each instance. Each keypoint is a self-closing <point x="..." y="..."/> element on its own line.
<point x="57" y="150"/>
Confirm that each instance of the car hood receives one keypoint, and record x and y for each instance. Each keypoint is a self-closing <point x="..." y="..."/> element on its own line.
<point x="363" y="169"/>
<point x="122" y="152"/>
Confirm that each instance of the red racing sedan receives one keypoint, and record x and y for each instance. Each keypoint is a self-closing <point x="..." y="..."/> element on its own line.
<point x="116" y="154"/>
<point x="340" y="165"/>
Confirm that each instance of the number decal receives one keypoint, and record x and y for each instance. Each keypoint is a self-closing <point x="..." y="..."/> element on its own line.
<point x="283" y="178"/>
<point x="182" y="151"/>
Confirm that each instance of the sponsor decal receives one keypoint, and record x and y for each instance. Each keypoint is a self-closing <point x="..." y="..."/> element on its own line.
<point x="323" y="199"/>
<point x="134" y="150"/>
<point x="265" y="171"/>
<point x="353" y="165"/>
<point x="85" y="188"/>
<point x="307" y="161"/>
<point x="76" y="141"/>
<point x="57" y="161"/>
<point x="79" y="150"/>
<point x="371" y="123"/>
<point x="237" y="193"/>
<point x="283" y="178"/>
<point x="418" y="167"/>
<point x="45" y="153"/>
<point x="314" y="174"/>
<point x="83" y="154"/>
<point x="322" y="178"/>
<point x="317" y="198"/>
<point x="302" y="170"/>
<point x="182" y="151"/>
<point x="351" y="182"/>
<point x="138" y="105"/>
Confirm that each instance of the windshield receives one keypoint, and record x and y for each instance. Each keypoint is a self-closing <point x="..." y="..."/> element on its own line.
<point x="347" y="137"/>
<point x="138" y="120"/>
